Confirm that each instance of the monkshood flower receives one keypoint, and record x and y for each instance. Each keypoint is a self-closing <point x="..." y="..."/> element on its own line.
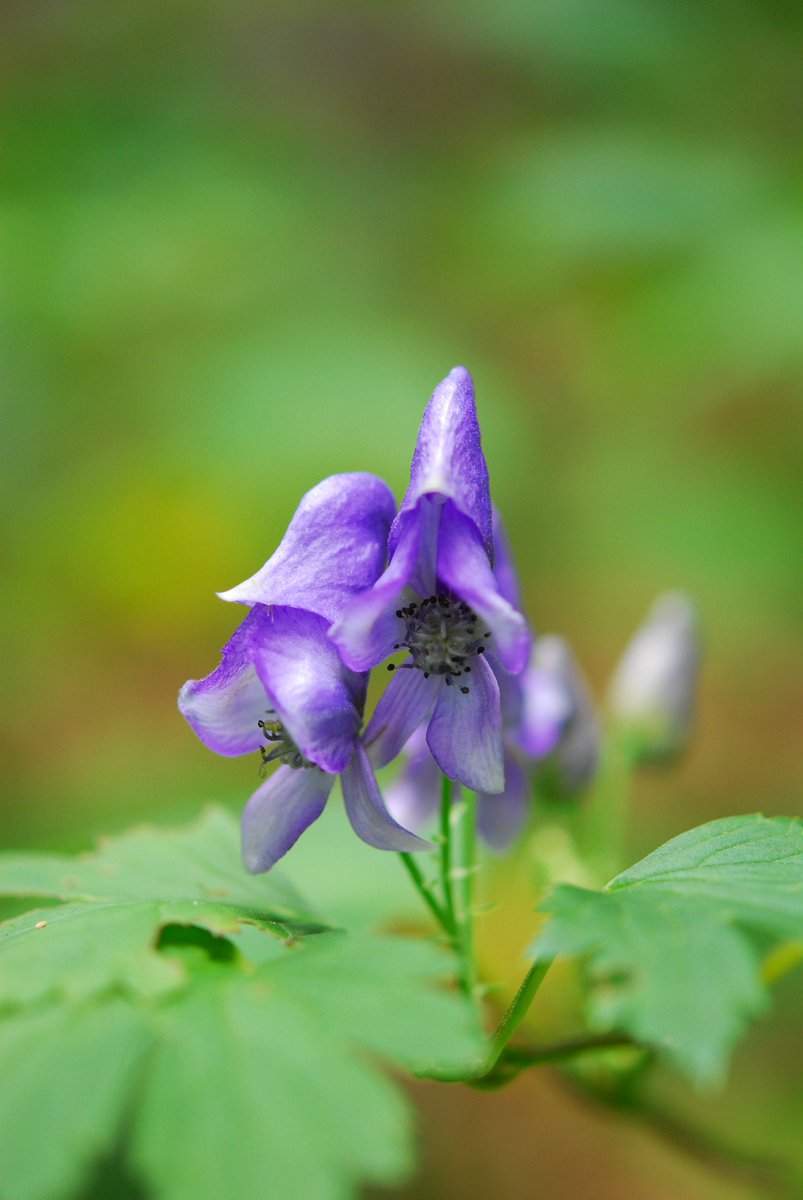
<point x="652" y="693"/>
<point x="281" y="687"/>
<point x="537" y="710"/>
<point x="440" y="601"/>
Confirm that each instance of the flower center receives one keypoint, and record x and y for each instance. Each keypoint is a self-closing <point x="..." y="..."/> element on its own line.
<point x="441" y="635"/>
<point x="281" y="747"/>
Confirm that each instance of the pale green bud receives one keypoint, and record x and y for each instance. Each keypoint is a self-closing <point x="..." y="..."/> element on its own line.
<point x="652" y="693"/>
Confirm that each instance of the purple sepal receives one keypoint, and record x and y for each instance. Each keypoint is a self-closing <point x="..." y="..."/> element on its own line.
<point x="465" y="732"/>
<point x="367" y="812"/>
<point x="279" y="812"/>
<point x="335" y="547"/>
<point x="223" y="709"/>
<point x="316" y="698"/>
<point x="448" y="461"/>
<point x="367" y="630"/>
<point x="281" y="661"/>
<point x="464" y="567"/>
<point x="406" y="703"/>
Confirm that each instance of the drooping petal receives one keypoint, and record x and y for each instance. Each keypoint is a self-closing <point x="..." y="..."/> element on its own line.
<point x="224" y="708"/>
<point x="545" y="709"/>
<point x="465" y="732"/>
<point x="367" y="812"/>
<point x="368" y="628"/>
<point x="448" y="459"/>
<point x="335" y="547"/>
<point x="464" y="567"/>
<point x="412" y="797"/>
<point x="407" y="702"/>
<point x="279" y="812"/>
<point x="500" y="819"/>
<point x="317" y="698"/>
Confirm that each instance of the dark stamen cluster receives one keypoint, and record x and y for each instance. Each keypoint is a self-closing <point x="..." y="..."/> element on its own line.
<point x="441" y="634"/>
<point x="284" y="748"/>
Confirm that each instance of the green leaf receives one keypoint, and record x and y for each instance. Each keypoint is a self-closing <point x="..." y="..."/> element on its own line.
<point x="152" y="1019"/>
<point x="254" y="1080"/>
<point x="67" y="1077"/>
<point x="285" y="1098"/>
<point x="670" y="942"/>
<point x="198" y="867"/>
<point x="74" y="951"/>
<point x="120" y="898"/>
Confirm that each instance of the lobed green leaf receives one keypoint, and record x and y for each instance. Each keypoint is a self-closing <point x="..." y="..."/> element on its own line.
<point x="670" y="945"/>
<point x="152" y="1018"/>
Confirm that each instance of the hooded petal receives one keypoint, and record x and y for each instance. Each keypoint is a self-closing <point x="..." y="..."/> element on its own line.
<point x="413" y="796"/>
<point x="317" y="698"/>
<point x="464" y="567"/>
<point x="366" y="809"/>
<point x="224" y="708"/>
<point x="448" y="459"/>
<point x="334" y="548"/>
<point x="279" y="812"/>
<point x="407" y="702"/>
<point x="501" y="818"/>
<point x="368" y="629"/>
<point x="465" y="732"/>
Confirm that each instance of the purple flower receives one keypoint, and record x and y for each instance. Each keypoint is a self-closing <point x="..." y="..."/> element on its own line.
<point x="535" y="708"/>
<point x="281" y="687"/>
<point x="440" y="600"/>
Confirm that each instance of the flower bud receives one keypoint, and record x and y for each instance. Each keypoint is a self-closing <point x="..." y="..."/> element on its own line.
<point x="652" y="693"/>
<point x="572" y="764"/>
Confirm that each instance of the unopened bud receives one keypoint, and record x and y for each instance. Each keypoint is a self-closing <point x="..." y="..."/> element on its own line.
<point x="652" y="692"/>
<point x="572" y="763"/>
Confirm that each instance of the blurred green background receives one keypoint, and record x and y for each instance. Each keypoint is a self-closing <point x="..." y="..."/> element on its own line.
<point x="240" y="243"/>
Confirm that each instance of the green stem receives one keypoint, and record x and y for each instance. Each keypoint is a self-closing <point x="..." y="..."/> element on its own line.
<point x="424" y="889"/>
<point x="446" y="852"/>
<point x="517" y="1010"/>
<point x="462" y="874"/>
<point x="534" y="1056"/>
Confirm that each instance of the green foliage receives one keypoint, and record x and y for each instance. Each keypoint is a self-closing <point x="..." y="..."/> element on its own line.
<point x="673" y="944"/>
<point x="174" y="1007"/>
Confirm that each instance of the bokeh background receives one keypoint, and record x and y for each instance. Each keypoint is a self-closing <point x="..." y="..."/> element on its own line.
<point x="241" y="242"/>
